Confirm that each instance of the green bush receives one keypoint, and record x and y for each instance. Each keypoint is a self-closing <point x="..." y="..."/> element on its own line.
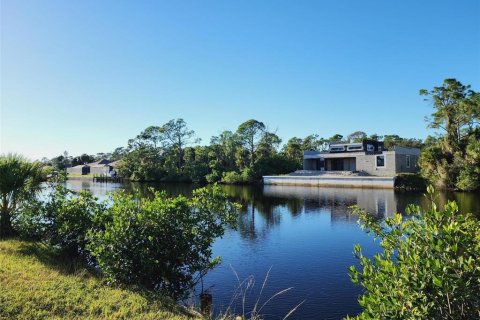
<point x="410" y="181"/>
<point x="20" y="181"/>
<point x="161" y="243"/>
<point x="62" y="219"/>
<point x="213" y="177"/>
<point x="468" y="178"/>
<point x="233" y="177"/>
<point x="427" y="269"/>
<point x="272" y="165"/>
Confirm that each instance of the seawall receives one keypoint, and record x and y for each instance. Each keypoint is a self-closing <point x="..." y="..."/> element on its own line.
<point x="332" y="181"/>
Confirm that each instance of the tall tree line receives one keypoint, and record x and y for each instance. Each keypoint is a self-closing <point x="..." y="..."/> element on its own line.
<point x="171" y="152"/>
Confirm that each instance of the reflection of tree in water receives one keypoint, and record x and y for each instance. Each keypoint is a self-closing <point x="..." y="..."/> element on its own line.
<point x="144" y="189"/>
<point x="467" y="201"/>
<point x="256" y="205"/>
<point x="263" y="206"/>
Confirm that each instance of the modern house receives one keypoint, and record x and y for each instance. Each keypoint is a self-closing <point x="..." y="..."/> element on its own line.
<point x="368" y="158"/>
<point x="358" y="165"/>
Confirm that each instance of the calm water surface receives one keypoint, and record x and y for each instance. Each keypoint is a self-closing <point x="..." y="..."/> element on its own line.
<point x="304" y="234"/>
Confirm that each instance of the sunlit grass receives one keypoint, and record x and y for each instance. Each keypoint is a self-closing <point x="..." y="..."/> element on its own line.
<point x="37" y="283"/>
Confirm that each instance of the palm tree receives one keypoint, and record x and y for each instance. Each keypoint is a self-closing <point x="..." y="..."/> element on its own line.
<point x="20" y="180"/>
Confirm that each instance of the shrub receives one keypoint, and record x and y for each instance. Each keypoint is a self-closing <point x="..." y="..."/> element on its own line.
<point x="20" y="181"/>
<point x="69" y="217"/>
<point x="468" y="178"/>
<point x="233" y="177"/>
<point x="161" y="243"/>
<point x="62" y="219"/>
<point x="213" y="177"/>
<point x="427" y="269"/>
<point x="410" y="181"/>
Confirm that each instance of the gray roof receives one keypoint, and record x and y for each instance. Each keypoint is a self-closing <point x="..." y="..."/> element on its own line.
<point x="99" y="163"/>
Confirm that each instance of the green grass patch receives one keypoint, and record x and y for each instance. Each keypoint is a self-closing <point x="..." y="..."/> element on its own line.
<point x="37" y="282"/>
<point x="76" y="175"/>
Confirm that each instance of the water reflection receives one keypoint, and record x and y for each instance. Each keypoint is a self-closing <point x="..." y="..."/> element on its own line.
<point x="305" y="233"/>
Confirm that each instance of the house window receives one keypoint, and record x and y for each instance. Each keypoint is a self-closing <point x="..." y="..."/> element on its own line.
<point x="354" y="148"/>
<point x="370" y="148"/>
<point x="380" y="161"/>
<point x="337" y="148"/>
<point x="408" y="161"/>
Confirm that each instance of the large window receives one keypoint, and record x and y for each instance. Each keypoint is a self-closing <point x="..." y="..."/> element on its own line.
<point x="381" y="161"/>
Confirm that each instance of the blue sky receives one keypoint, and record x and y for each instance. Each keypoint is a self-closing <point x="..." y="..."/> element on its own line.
<point x="85" y="76"/>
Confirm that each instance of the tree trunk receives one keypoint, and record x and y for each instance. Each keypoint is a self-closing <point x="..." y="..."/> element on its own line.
<point x="6" y="229"/>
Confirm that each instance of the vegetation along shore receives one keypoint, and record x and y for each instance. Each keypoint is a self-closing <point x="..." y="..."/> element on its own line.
<point x="69" y="255"/>
<point x="450" y="158"/>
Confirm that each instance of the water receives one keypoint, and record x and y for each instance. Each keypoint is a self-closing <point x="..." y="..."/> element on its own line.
<point x="304" y="234"/>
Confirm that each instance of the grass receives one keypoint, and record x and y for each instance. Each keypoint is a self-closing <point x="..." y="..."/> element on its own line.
<point x="36" y="282"/>
<point x="78" y="175"/>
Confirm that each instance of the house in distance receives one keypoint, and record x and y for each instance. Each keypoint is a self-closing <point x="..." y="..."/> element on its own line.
<point x="101" y="167"/>
<point x="368" y="157"/>
<point x="362" y="164"/>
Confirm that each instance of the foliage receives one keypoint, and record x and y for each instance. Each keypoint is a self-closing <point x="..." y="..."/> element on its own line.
<point x="250" y="133"/>
<point x="453" y="159"/>
<point x="275" y="164"/>
<point x="20" y="181"/>
<point x="37" y="282"/>
<point x="410" y="181"/>
<point x="62" y="219"/>
<point x="68" y="218"/>
<point x="391" y="140"/>
<point x="233" y="177"/>
<point x="177" y="135"/>
<point x="456" y="112"/>
<point x="427" y="268"/>
<point x="161" y="243"/>
<point x="293" y="150"/>
<point x="82" y="159"/>
<point x="357" y="136"/>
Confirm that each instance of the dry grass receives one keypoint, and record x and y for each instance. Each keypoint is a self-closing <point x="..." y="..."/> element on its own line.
<point x="37" y="283"/>
<point x="241" y="294"/>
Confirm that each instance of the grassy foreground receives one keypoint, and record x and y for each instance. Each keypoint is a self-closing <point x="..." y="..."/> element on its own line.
<point x="37" y="283"/>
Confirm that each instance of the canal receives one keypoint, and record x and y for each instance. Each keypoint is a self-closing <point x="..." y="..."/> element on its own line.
<point x="303" y="235"/>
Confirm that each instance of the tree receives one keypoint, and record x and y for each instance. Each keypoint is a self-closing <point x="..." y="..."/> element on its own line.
<point x="375" y="137"/>
<point x="451" y="160"/>
<point x="336" y="138"/>
<point x="314" y="143"/>
<point x="293" y="150"/>
<point x="391" y="140"/>
<point x="82" y="159"/>
<point x="178" y="135"/>
<point x="457" y="112"/>
<point x="152" y="136"/>
<point x="224" y="147"/>
<point x="250" y="133"/>
<point x="61" y="162"/>
<point x="356" y="136"/>
<point x="20" y="180"/>
<point x="427" y="268"/>
<point x="268" y="144"/>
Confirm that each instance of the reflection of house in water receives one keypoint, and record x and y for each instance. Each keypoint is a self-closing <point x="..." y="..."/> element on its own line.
<point x="380" y="202"/>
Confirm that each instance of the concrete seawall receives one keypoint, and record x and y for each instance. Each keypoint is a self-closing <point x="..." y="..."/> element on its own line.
<point x="332" y="181"/>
